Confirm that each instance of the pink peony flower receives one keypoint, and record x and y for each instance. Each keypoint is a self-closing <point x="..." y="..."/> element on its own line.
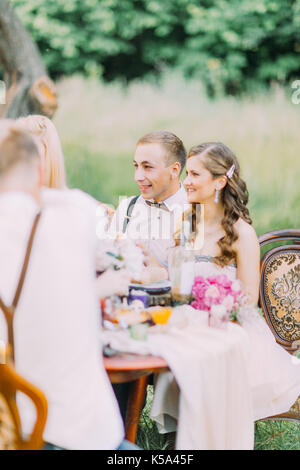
<point x="221" y="280"/>
<point x="215" y="290"/>
<point x="212" y="291"/>
<point x="228" y="303"/>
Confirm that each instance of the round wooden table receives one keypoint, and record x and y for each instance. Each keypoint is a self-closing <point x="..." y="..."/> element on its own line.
<point x="134" y="368"/>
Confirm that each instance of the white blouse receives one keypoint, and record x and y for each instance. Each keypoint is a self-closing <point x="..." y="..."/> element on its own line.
<point x="57" y="321"/>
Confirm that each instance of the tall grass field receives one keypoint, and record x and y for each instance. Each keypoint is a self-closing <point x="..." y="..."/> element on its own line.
<point x="99" y="125"/>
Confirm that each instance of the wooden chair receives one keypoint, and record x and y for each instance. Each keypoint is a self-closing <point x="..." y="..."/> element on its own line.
<point x="279" y="294"/>
<point x="10" y="426"/>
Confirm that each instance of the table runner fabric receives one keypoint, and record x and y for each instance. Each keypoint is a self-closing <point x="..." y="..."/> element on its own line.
<point x="215" y="410"/>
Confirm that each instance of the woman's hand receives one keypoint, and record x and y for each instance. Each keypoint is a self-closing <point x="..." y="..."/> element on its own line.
<point x="113" y="283"/>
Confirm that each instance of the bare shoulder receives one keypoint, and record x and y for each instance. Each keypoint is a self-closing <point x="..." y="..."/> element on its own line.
<point x="244" y="229"/>
<point x="246" y="235"/>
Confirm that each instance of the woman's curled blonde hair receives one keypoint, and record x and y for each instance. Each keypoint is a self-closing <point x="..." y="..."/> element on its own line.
<point x="218" y="159"/>
<point x="51" y="152"/>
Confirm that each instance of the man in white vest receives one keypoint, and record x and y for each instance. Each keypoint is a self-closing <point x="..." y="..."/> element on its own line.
<point x="57" y="319"/>
<point x="152" y="217"/>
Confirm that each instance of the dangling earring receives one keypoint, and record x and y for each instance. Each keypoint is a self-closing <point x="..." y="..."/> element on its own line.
<point x="217" y="196"/>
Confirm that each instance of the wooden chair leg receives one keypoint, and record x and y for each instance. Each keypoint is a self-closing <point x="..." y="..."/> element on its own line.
<point x="136" y="400"/>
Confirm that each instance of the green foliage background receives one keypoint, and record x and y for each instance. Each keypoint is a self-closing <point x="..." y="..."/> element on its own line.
<point x="100" y="123"/>
<point x="231" y="45"/>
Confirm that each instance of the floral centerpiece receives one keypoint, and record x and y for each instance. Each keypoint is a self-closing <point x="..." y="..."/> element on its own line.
<point x="221" y="297"/>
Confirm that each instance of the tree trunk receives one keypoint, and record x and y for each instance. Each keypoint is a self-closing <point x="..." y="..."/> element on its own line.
<point x="29" y="90"/>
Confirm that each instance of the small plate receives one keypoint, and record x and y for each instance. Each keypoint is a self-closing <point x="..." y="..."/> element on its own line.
<point x="153" y="287"/>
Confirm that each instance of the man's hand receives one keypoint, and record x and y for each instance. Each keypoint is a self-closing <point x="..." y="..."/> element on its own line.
<point x="153" y="271"/>
<point x="110" y="211"/>
<point x="149" y="260"/>
<point x="154" y="274"/>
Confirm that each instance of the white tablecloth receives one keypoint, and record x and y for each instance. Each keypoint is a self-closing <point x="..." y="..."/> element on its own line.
<point x="209" y="365"/>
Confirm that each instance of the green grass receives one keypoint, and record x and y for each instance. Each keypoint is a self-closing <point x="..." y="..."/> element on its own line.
<point x="148" y="436"/>
<point x="277" y="435"/>
<point x="269" y="435"/>
<point x="105" y="178"/>
<point x="100" y="124"/>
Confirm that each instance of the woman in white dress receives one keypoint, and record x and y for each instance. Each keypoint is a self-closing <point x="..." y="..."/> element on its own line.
<point x="230" y="246"/>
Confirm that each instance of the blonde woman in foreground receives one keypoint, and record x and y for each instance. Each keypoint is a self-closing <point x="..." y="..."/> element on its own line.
<point x="53" y="176"/>
<point x="52" y="159"/>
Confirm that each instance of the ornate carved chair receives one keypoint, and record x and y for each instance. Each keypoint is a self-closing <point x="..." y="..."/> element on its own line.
<point x="279" y="294"/>
<point x="10" y="426"/>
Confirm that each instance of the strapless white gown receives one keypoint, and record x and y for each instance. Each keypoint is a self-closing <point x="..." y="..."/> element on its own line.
<point x="273" y="374"/>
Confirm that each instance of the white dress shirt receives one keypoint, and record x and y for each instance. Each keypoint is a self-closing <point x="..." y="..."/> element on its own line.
<point x="150" y="225"/>
<point x="57" y="321"/>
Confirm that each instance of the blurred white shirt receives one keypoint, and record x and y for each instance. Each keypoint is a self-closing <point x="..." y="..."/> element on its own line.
<point x="57" y="321"/>
<point x="150" y="225"/>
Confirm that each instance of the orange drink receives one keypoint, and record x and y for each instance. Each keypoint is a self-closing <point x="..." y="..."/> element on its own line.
<point x="161" y="315"/>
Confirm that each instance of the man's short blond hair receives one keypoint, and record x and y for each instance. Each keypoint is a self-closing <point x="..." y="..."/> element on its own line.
<point x="174" y="148"/>
<point x="16" y="146"/>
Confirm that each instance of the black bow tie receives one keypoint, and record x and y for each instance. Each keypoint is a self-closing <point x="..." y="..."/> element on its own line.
<point x="158" y="205"/>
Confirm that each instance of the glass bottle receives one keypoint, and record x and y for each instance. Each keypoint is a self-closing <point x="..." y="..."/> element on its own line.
<point x="181" y="266"/>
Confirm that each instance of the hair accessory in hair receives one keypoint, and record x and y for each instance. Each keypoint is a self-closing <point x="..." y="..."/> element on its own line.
<point x="230" y="171"/>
